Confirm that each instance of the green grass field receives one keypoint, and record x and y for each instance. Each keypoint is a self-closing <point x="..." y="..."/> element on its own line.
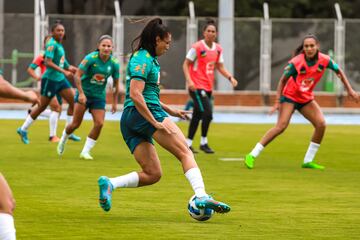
<point x="58" y="198"/>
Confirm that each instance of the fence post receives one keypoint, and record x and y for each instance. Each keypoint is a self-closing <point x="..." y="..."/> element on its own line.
<point x="14" y="61"/>
<point x="339" y="51"/>
<point x="191" y="29"/>
<point x="265" y="55"/>
<point x="118" y="36"/>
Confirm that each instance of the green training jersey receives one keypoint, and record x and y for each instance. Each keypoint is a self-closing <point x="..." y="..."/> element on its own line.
<point x="143" y="67"/>
<point x="55" y="51"/>
<point x="290" y="69"/>
<point x="96" y="73"/>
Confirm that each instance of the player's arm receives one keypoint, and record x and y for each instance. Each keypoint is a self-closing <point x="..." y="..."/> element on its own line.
<point x="9" y="91"/>
<point x="282" y="82"/>
<point x="31" y="71"/>
<point x="49" y="63"/>
<point x="116" y="90"/>
<point x="341" y="75"/>
<point x="175" y="112"/>
<point x="221" y="68"/>
<point x="77" y="76"/>
<point x="189" y="82"/>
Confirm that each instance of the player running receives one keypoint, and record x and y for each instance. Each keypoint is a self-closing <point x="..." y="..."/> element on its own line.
<point x="91" y="79"/>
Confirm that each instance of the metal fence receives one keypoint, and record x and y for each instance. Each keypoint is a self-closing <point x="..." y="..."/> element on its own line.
<point x="286" y="34"/>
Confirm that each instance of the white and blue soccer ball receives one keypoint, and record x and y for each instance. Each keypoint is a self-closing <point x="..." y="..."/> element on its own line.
<point x="199" y="214"/>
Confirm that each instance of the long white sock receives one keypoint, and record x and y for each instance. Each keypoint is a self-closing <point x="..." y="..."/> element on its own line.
<point x="203" y="141"/>
<point x="64" y="136"/>
<point x="193" y="175"/>
<point x="27" y="123"/>
<point x="312" y="150"/>
<point x="257" y="150"/>
<point x="69" y="119"/>
<point x="130" y="180"/>
<point x="7" y="227"/>
<point x="89" y="144"/>
<point x="189" y="142"/>
<point x="46" y="113"/>
<point x="53" y="122"/>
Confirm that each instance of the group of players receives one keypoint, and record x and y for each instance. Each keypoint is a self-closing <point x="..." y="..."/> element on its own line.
<point x="145" y="117"/>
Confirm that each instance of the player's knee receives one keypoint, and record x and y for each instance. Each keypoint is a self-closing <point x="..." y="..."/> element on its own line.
<point x="8" y="205"/>
<point x="98" y="124"/>
<point x="321" y="124"/>
<point x="154" y="175"/>
<point x="281" y="127"/>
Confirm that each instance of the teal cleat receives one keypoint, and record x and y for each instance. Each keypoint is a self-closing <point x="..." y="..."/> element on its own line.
<point x="23" y="136"/>
<point x="60" y="147"/>
<point x="75" y="138"/>
<point x="106" y="189"/>
<point x="209" y="202"/>
<point x="249" y="161"/>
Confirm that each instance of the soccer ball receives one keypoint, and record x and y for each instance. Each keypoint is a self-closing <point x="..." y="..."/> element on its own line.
<point x="199" y="214"/>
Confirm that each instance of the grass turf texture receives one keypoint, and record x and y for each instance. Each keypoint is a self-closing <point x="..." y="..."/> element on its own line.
<point x="58" y="199"/>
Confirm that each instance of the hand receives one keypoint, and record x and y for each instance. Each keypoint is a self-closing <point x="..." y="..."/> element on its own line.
<point x="72" y="69"/>
<point x="182" y="114"/>
<point x="166" y="125"/>
<point x="69" y="75"/>
<point x="233" y="82"/>
<point x="274" y="108"/>
<point x="82" y="98"/>
<point x="113" y="108"/>
<point x="354" y="95"/>
<point x="191" y="86"/>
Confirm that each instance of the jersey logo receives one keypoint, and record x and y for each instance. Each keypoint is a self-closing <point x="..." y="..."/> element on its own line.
<point x="139" y="68"/>
<point x="203" y="53"/>
<point x="109" y="69"/>
<point x="306" y="84"/>
<point x="50" y="48"/>
<point x="320" y="68"/>
<point x="84" y="62"/>
<point x="98" y="79"/>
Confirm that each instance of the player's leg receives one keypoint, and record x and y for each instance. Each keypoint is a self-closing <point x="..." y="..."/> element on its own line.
<point x="145" y="154"/>
<point x="9" y="91"/>
<point x="23" y="130"/>
<point x="285" y="112"/>
<point x="7" y="206"/>
<point x="55" y="108"/>
<point x="98" y="119"/>
<point x="79" y="112"/>
<point x="176" y="144"/>
<point x="195" y="119"/>
<point x="207" y="116"/>
<point x="312" y="112"/>
<point x="68" y="95"/>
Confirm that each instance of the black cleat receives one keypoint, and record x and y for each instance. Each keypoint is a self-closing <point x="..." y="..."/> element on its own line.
<point x="206" y="148"/>
<point x="193" y="150"/>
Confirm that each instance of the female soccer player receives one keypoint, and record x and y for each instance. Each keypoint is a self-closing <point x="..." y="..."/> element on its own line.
<point x="202" y="59"/>
<point x="144" y="118"/>
<point x="295" y="92"/>
<point x="53" y="80"/>
<point x="91" y="79"/>
<point x="7" y="202"/>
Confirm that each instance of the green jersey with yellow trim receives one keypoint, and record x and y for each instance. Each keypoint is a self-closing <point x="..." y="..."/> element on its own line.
<point x="55" y="51"/>
<point x="143" y="67"/>
<point x="96" y="74"/>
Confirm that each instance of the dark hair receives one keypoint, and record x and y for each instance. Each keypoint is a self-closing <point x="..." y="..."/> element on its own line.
<point x="300" y="48"/>
<point x="209" y="22"/>
<point x="147" y="38"/>
<point x="46" y="38"/>
<point x="102" y="37"/>
<point x="55" y="24"/>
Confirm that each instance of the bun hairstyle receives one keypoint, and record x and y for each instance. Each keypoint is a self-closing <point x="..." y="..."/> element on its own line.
<point x="147" y="38"/>
<point x="300" y="48"/>
<point x="55" y="24"/>
<point x="209" y="22"/>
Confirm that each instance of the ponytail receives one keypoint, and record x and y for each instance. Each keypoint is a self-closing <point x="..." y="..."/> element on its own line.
<point x="147" y="38"/>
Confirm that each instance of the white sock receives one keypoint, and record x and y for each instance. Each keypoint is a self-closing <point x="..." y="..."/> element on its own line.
<point x="64" y="136"/>
<point x="130" y="180"/>
<point x="27" y="123"/>
<point x="7" y="227"/>
<point x="257" y="150"/>
<point x="193" y="175"/>
<point x="189" y="142"/>
<point x="89" y="144"/>
<point x="69" y="119"/>
<point x="203" y="141"/>
<point x="53" y="122"/>
<point x="46" y="113"/>
<point x="312" y="150"/>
